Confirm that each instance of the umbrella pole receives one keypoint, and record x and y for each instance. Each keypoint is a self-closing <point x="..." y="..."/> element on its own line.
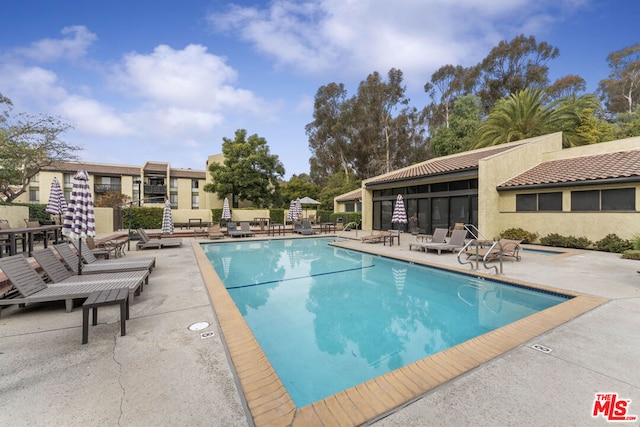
<point x="80" y="256"/>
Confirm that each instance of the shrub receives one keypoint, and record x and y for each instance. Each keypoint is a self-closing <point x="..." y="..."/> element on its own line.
<point x="613" y="243"/>
<point x="557" y="240"/>
<point x="631" y="254"/>
<point x="519" y="234"/>
<point x="635" y="240"/>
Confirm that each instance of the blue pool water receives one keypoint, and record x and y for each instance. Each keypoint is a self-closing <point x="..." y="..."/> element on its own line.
<point x="330" y="318"/>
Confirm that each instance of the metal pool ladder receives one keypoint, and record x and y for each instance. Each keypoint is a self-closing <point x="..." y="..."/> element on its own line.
<point x="473" y="230"/>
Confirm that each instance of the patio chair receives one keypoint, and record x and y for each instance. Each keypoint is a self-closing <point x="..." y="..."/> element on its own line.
<point x="376" y="236"/>
<point x="246" y="229"/>
<point x="510" y="249"/>
<point x="214" y="231"/>
<point x="439" y="236"/>
<point x="232" y="230"/>
<point x="146" y="242"/>
<point x="303" y="228"/>
<point x="58" y="274"/>
<point x="103" y="266"/>
<point x="30" y="288"/>
<point x="456" y="242"/>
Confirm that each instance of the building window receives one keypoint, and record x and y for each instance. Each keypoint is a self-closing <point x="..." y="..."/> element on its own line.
<point x="194" y="184"/>
<point x="34" y="196"/>
<point x="173" y="183"/>
<point x="195" y="201"/>
<point x="623" y="199"/>
<point x="585" y="200"/>
<point x="526" y="202"/>
<point x="173" y="199"/>
<point x="550" y="202"/>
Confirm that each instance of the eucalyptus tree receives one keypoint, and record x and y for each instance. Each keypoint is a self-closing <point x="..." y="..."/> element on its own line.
<point x="513" y="66"/>
<point x="621" y="90"/>
<point x="460" y="134"/>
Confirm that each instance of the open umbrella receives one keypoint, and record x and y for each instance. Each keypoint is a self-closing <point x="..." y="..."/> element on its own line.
<point x="79" y="220"/>
<point x="167" y="220"/>
<point x="308" y="201"/>
<point x="226" y="212"/>
<point x="57" y="205"/>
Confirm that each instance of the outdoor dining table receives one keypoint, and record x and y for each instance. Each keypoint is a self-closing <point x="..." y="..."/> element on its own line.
<point x="28" y="233"/>
<point x="327" y="227"/>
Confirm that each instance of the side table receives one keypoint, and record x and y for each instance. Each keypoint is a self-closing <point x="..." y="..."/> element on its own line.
<point x="100" y="299"/>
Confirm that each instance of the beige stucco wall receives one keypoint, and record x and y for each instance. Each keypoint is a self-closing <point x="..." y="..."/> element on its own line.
<point x="501" y="167"/>
<point x="104" y="220"/>
<point x="15" y="215"/>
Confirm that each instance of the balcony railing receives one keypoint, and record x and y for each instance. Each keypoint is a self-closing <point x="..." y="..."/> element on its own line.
<point x="155" y="189"/>
<point x="103" y="188"/>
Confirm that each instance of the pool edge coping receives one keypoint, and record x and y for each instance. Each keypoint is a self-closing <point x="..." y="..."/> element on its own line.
<point x="268" y="402"/>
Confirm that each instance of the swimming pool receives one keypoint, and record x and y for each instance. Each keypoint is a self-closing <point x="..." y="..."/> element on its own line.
<point x="330" y="318"/>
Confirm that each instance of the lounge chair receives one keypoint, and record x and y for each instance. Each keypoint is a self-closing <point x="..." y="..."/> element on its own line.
<point x="303" y="227"/>
<point x="232" y="230"/>
<point x="103" y="266"/>
<point x="510" y="249"/>
<point x="246" y="229"/>
<point x="214" y="231"/>
<point x="59" y="275"/>
<point x="30" y="288"/>
<point x="456" y="242"/>
<point x="376" y="236"/>
<point x="146" y="242"/>
<point x="439" y="236"/>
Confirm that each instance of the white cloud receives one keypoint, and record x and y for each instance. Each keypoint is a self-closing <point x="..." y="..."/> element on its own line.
<point x="356" y="37"/>
<point x="190" y="78"/>
<point x="91" y="117"/>
<point x="73" y="46"/>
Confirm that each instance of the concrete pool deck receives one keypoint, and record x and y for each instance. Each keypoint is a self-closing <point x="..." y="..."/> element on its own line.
<point x="161" y="373"/>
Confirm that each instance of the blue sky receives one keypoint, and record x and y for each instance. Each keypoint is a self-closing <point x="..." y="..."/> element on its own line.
<point x="164" y="80"/>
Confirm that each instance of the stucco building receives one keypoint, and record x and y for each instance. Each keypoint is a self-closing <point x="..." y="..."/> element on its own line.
<point x="533" y="184"/>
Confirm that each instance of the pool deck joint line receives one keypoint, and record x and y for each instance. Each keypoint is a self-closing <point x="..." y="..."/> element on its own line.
<point x="269" y="403"/>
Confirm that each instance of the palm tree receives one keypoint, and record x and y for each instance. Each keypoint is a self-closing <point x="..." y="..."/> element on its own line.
<point x="524" y="115"/>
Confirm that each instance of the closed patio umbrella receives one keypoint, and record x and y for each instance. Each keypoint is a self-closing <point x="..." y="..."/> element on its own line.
<point x="226" y="212"/>
<point x="291" y="215"/>
<point x="399" y="214"/>
<point x="79" y="220"/>
<point x="57" y="205"/>
<point x="167" y="220"/>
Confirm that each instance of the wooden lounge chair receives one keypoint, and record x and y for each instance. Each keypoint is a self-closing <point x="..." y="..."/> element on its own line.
<point x="58" y="274"/>
<point x="439" y="236"/>
<point x="146" y="242"/>
<point x="30" y="288"/>
<point x="456" y="242"/>
<point x="510" y="249"/>
<point x="376" y="236"/>
<point x="214" y="232"/>
<point x="103" y="266"/>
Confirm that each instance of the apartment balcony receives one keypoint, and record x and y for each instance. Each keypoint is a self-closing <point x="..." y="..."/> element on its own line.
<point x="104" y="188"/>
<point x="155" y="189"/>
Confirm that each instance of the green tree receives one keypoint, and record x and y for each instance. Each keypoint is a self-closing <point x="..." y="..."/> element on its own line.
<point x="447" y="84"/>
<point x="337" y="184"/>
<point x="370" y="133"/>
<point x="513" y="66"/>
<point x="524" y="115"/>
<point x="621" y="90"/>
<point x="27" y="144"/>
<point x="249" y="172"/>
<point x="565" y="87"/>
<point x="299" y="186"/>
<point x="460" y="134"/>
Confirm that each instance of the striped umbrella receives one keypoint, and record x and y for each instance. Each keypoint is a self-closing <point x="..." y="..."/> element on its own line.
<point x="291" y="215"/>
<point x="298" y="209"/>
<point x="57" y="205"/>
<point x="226" y="212"/>
<point x="167" y="220"/>
<point x="79" y="220"/>
<point x="399" y="214"/>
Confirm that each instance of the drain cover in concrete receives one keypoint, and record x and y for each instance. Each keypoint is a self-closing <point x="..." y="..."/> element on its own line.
<point x="198" y="326"/>
<point x="541" y="348"/>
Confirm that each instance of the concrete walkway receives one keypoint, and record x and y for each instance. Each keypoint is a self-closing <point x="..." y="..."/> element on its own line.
<point x="161" y="373"/>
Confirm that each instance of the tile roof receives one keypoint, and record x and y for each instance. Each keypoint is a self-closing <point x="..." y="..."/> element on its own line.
<point x="439" y="165"/>
<point x="94" y="168"/>
<point x="351" y="195"/>
<point x="156" y="166"/>
<point x="188" y="173"/>
<point x="622" y="164"/>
